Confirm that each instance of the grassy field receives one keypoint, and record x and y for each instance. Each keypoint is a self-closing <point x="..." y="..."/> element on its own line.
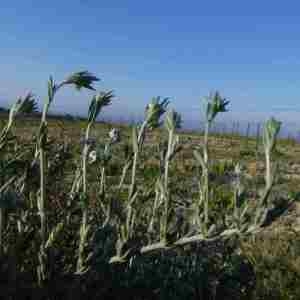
<point x="145" y="212"/>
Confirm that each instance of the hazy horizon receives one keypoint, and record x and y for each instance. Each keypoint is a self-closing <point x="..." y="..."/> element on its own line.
<point x="183" y="50"/>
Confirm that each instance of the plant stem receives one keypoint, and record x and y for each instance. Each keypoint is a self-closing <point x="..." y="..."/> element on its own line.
<point x="133" y="175"/>
<point x="166" y="186"/>
<point x="205" y="182"/>
<point x="42" y="196"/>
<point x="268" y="169"/>
<point x="124" y="173"/>
<point x="102" y="181"/>
<point x="1" y="230"/>
<point x="41" y="270"/>
<point x="205" y="146"/>
<point x="84" y="220"/>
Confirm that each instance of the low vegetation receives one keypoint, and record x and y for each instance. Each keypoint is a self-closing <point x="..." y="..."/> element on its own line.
<point x="143" y="212"/>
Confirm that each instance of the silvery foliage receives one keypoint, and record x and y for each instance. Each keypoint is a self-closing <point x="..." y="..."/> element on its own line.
<point x="14" y="110"/>
<point x="114" y="135"/>
<point x="99" y="101"/>
<point x="92" y="156"/>
<point x="171" y="124"/>
<point x="102" y="153"/>
<point x="271" y="130"/>
<point x="155" y="110"/>
<point x="236" y="178"/>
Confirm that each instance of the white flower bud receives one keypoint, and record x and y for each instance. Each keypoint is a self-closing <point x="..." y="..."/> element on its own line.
<point x="114" y="135"/>
<point x="92" y="156"/>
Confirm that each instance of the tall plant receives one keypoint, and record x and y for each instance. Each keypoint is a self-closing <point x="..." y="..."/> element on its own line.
<point x="97" y="104"/>
<point x="171" y="123"/>
<point x="80" y="80"/>
<point x="271" y="130"/>
<point x="153" y="113"/>
<point x="270" y="134"/>
<point x="215" y="105"/>
<point x="4" y="139"/>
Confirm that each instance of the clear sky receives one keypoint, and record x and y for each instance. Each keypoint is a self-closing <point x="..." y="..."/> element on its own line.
<point x="248" y="50"/>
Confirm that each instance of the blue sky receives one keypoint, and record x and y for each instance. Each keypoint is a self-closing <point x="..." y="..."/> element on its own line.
<point x="248" y="50"/>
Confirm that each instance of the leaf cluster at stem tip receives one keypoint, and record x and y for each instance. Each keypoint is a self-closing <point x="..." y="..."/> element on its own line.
<point x="155" y="110"/>
<point x="215" y="105"/>
<point x="83" y="79"/>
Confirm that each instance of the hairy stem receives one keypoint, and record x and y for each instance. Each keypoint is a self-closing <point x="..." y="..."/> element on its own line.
<point x="84" y="219"/>
<point x="166" y="186"/>
<point x="1" y="230"/>
<point x="268" y="175"/>
<point x="205" y="183"/>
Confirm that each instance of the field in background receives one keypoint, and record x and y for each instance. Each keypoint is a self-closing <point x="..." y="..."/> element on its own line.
<point x="273" y="255"/>
<point x="146" y="211"/>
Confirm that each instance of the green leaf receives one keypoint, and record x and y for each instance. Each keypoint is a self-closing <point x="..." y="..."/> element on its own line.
<point x="42" y="138"/>
<point x="199" y="159"/>
<point x="83" y="79"/>
<point x="155" y="110"/>
<point x="13" y="112"/>
<point x="92" y="109"/>
<point x="53" y="235"/>
<point x="170" y="120"/>
<point x="215" y="105"/>
<point x="270" y="133"/>
<point x="51" y="89"/>
<point x="29" y="104"/>
<point x="98" y="102"/>
<point x="173" y="120"/>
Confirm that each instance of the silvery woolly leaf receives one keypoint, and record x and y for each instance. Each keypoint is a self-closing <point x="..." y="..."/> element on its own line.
<point x="175" y="142"/>
<point x="155" y="110"/>
<point x="199" y="158"/>
<point x="92" y="157"/>
<point x="114" y="135"/>
<point x="42" y="137"/>
<point x="271" y="130"/>
<point x="135" y="144"/>
<point x="102" y="154"/>
<point x="98" y="102"/>
<point x="105" y="98"/>
<point x="51" y="89"/>
<point x="53" y="235"/>
<point x="252" y="228"/>
<point x="169" y="121"/>
<point x="212" y="230"/>
<point x="172" y="120"/>
<point x="238" y="169"/>
<point x="92" y="109"/>
<point x="13" y="111"/>
<point x="229" y="232"/>
<point x="17" y="107"/>
<point x="244" y="210"/>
